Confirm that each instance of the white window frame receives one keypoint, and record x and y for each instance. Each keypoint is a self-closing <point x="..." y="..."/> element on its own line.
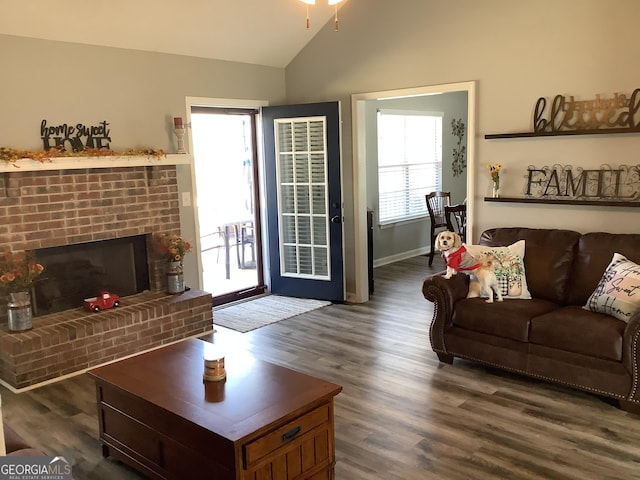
<point x="293" y="152"/>
<point x="413" y="196"/>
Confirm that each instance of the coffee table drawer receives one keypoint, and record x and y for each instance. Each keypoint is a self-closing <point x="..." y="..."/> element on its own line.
<point x="310" y="456"/>
<point x="267" y="444"/>
<point x="156" y="451"/>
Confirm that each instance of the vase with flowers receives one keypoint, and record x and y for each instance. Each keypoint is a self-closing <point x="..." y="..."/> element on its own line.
<point x="18" y="271"/>
<point x="173" y="248"/>
<point x="494" y="171"/>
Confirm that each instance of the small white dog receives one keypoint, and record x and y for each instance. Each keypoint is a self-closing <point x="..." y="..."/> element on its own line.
<point x="481" y="270"/>
<point x="455" y="254"/>
<point x="484" y="279"/>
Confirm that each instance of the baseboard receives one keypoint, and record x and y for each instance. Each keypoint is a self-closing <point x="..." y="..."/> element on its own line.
<point x="401" y="256"/>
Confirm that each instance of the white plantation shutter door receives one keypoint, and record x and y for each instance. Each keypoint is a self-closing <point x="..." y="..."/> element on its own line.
<point x="301" y="165"/>
<point x="409" y="163"/>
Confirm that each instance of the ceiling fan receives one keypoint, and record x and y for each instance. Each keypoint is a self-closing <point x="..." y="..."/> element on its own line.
<point x="330" y="2"/>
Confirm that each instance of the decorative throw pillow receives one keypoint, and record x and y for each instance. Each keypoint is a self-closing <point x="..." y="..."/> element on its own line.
<point x="509" y="268"/>
<point x="618" y="293"/>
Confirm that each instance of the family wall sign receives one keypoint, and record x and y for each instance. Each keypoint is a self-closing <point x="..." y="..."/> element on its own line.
<point x="621" y="183"/>
<point x="564" y="115"/>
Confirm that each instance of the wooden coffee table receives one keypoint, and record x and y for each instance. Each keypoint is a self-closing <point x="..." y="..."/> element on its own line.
<point x="263" y="422"/>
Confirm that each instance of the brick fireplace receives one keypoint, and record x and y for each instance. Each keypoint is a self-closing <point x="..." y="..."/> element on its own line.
<point x="51" y="208"/>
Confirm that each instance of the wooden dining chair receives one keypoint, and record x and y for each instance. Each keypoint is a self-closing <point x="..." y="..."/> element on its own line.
<point x="436" y="201"/>
<point x="456" y="217"/>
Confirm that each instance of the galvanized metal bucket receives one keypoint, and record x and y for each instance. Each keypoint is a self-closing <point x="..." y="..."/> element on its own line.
<point x="19" y="315"/>
<point x="175" y="278"/>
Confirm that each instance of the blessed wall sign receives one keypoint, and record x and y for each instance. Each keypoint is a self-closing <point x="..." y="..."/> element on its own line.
<point x="620" y="183"/>
<point x="76" y="137"/>
<point x="566" y="113"/>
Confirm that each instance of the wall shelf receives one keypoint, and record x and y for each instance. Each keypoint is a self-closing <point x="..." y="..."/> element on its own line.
<point x="556" y="201"/>
<point x="563" y="133"/>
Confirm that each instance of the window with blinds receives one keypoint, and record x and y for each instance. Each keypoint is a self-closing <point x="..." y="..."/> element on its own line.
<point x="409" y="163"/>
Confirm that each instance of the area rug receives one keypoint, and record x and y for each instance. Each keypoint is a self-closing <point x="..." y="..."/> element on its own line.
<point x="246" y="316"/>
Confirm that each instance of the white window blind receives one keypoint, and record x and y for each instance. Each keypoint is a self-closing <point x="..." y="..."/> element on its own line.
<point x="301" y="163"/>
<point x="409" y="162"/>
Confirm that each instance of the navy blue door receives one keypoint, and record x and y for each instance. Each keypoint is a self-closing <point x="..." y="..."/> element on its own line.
<point x="304" y="200"/>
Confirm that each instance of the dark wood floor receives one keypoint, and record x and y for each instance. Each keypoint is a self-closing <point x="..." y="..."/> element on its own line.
<point x="401" y="415"/>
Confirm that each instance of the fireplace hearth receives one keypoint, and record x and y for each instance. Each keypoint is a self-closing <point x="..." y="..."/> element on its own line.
<point x="51" y="209"/>
<point x="72" y="341"/>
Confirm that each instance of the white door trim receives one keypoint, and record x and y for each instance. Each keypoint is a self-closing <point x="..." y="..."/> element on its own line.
<point x="361" y="293"/>
<point x="225" y="103"/>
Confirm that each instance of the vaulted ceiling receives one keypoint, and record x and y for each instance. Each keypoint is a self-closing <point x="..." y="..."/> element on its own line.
<point x="263" y="32"/>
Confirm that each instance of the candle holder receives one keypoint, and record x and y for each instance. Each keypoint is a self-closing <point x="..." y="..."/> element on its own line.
<point x="180" y="137"/>
<point x="213" y="364"/>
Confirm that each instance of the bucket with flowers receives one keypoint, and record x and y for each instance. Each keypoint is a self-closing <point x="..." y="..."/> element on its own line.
<point x="173" y="248"/>
<point x="18" y="271"/>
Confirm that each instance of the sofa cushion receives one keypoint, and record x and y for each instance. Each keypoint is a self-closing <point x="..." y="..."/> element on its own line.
<point x="593" y="254"/>
<point x="574" y="329"/>
<point x="547" y="250"/>
<point x="509" y="268"/>
<point x="618" y="292"/>
<point x="508" y="319"/>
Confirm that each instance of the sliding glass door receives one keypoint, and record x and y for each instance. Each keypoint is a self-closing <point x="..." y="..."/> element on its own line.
<point x="224" y="144"/>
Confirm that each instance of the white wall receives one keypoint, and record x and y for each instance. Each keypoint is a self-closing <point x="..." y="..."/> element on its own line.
<point x="138" y="93"/>
<point x="517" y="51"/>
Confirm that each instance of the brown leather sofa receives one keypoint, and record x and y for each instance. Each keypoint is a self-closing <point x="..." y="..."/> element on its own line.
<point x="550" y="336"/>
<point x="16" y="446"/>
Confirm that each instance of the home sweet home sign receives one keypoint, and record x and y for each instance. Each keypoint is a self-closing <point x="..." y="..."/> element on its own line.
<point x="76" y="137"/>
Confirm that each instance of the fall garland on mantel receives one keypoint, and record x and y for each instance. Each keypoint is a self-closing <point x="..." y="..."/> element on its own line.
<point x="12" y="155"/>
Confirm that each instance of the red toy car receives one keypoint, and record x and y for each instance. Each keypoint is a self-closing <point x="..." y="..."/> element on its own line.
<point x="102" y="302"/>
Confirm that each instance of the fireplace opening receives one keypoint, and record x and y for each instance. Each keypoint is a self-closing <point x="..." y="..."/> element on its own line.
<point x="75" y="272"/>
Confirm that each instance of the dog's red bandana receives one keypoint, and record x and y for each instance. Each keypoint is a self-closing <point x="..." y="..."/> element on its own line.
<point x="461" y="260"/>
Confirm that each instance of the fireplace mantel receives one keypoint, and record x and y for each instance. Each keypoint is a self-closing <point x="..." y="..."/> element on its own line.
<point x="74" y="163"/>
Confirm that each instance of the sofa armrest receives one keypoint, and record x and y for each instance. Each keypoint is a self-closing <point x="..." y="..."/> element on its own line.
<point x="631" y="355"/>
<point x="13" y="441"/>
<point x="444" y="293"/>
<point x="26" y="452"/>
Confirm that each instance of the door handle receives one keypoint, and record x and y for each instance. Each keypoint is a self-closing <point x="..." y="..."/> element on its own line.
<point x="335" y="219"/>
